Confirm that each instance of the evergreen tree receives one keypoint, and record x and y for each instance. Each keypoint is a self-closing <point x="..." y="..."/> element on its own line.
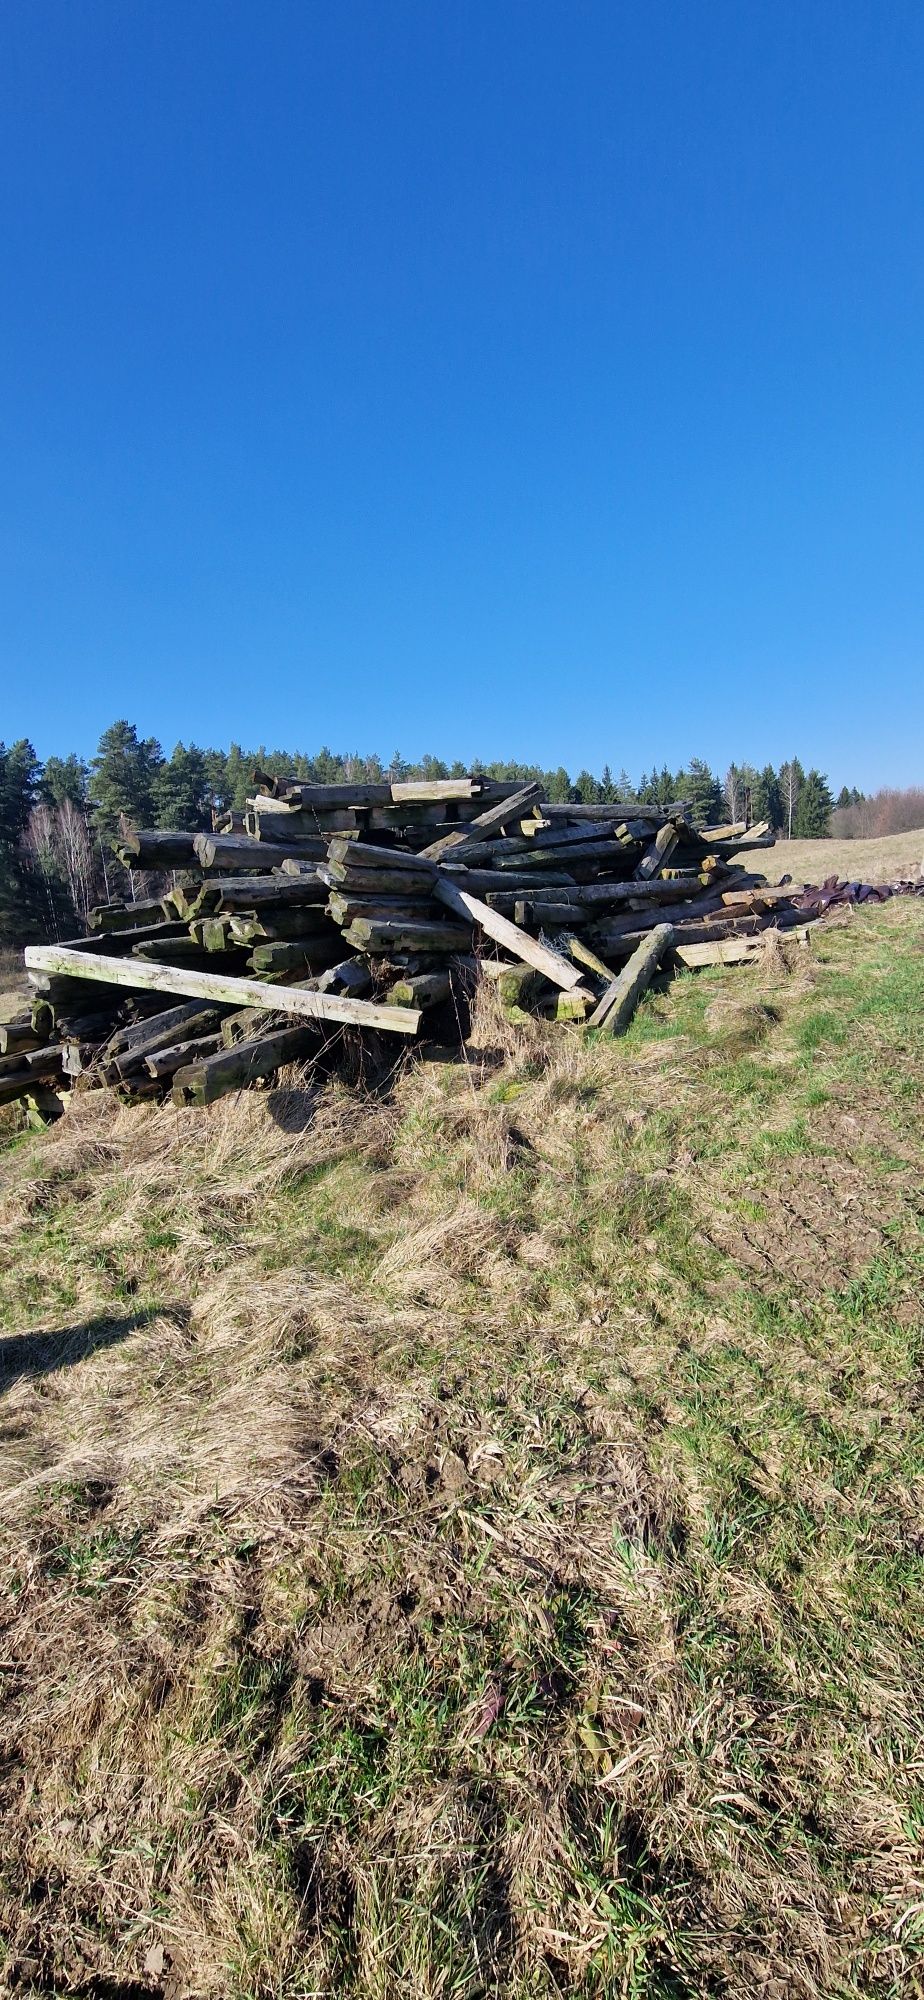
<point x="238" y="777"/>
<point x="64" y="778"/>
<point x="123" y="777"/>
<point x="700" y="785"/>
<point x="180" y="791"/>
<point x="812" y="820"/>
<point x="558" y="787"/>
<point x="21" y="913"/>
<point x="767" y="799"/>
<point x="587" y="788"/>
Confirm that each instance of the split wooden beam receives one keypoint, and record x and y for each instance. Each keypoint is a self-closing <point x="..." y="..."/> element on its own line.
<point x="190" y="984"/>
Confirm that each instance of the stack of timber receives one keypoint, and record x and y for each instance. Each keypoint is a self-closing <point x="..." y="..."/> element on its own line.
<point x="330" y="908"/>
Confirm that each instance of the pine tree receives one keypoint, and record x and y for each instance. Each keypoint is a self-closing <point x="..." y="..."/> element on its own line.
<point x="767" y="799"/>
<point x="180" y="791"/>
<point x="587" y="788"/>
<point x="812" y="820"/>
<point x="123" y="776"/>
<point x="64" y="778"/>
<point x="700" y="785"/>
<point x="558" y="786"/>
<point x="21" y="911"/>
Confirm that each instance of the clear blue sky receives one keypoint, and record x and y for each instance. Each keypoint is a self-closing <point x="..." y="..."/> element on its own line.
<point x="501" y="379"/>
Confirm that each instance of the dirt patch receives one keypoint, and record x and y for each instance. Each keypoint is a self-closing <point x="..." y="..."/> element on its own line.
<point x="813" y="1224"/>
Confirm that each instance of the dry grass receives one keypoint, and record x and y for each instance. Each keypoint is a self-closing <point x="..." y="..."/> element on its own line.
<point x="14" y="987"/>
<point x="467" y="1542"/>
<point x="897" y="857"/>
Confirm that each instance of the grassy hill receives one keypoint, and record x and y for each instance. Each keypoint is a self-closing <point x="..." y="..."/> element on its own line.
<point x="469" y="1541"/>
<point x="895" y="857"/>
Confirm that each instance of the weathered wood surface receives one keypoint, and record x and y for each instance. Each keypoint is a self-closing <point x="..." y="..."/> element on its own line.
<point x="516" y="941"/>
<point x="127" y="916"/>
<point x="735" y="951"/>
<point x="166" y="1062"/>
<point x="234" y="1068"/>
<point x="658" y="854"/>
<point x="619" y="895"/>
<point x="392" y="935"/>
<point x="615" y="1010"/>
<point x="255" y="857"/>
<point x="420" y="989"/>
<point x="479" y="881"/>
<point x="495" y="816"/>
<point x="148" y="847"/>
<point x="17" y="1035"/>
<point x="343" y="906"/>
<point x="258" y="892"/>
<point x="237" y="992"/>
<point x="173" y="1025"/>
<point x="365" y="854"/>
<point x="375" y="881"/>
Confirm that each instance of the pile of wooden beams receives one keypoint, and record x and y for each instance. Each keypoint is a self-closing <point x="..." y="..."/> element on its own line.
<point x="371" y="907"/>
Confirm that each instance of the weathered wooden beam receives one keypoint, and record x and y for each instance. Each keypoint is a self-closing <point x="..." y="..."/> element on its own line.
<point x="615" y="1010"/>
<point x="236" y="992"/>
<point x="18" y="1035"/>
<point x="148" y="847"/>
<point x="235" y="850"/>
<point x="658" y="854"/>
<point x="127" y="916"/>
<point x="518" y="942"/>
<point x="166" y="1062"/>
<point x="392" y="935"/>
<point x="494" y="817"/>
<point x="420" y="989"/>
<point x="234" y="1068"/>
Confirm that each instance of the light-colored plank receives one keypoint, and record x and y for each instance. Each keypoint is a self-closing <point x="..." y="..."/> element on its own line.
<point x="192" y="985"/>
<point x="518" y="942"/>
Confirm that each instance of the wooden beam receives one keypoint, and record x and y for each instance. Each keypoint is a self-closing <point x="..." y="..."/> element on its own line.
<point x="518" y="942"/>
<point x="234" y="1068"/>
<point x="620" y="1000"/>
<point x="659" y="853"/>
<point x="221" y="987"/>
<point x="490" y="821"/>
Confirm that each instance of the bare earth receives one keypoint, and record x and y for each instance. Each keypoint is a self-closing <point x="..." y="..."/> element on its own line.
<point x="899" y="856"/>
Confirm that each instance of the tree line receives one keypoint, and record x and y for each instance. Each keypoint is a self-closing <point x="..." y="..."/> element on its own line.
<point x="57" y="819"/>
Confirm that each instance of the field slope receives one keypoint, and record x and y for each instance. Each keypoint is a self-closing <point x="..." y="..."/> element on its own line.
<point x="895" y="857"/>
<point x="469" y="1541"/>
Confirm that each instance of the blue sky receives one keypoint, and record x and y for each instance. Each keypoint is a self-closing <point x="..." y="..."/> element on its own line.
<point x="497" y="379"/>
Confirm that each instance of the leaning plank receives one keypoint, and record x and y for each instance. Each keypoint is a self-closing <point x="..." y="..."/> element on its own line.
<point x="620" y="1000"/>
<point x="215" y="986"/>
<point x="509" y="935"/>
<point x="490" y="821"/>
<point x="659" y="853"/>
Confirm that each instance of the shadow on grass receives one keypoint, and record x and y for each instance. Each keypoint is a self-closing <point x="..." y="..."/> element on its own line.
<point x="43" y="1353"/>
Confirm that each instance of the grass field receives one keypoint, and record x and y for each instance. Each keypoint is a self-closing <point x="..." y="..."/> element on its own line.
<point x="896" y="856"/>
<point x="468" y="1542"/>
